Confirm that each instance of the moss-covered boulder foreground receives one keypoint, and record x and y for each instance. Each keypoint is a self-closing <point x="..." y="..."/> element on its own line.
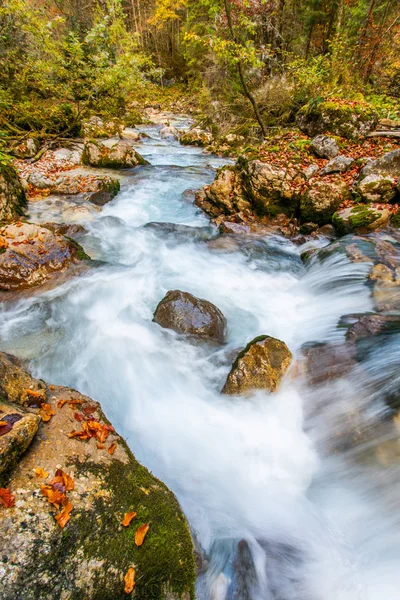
<point x="350" y="120"/>
<point x="62" y="534"/>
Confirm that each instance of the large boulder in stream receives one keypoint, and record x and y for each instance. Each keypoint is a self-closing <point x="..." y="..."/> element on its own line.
<point x="196" y="137"/>
<point x="100" y="189"/>
<point x="76" y="499"/>
<point x="361" y="218"/>
<point x="31" y="255"/>
<point x="261" y="365"/>
<point x="12" y="195"/>
<point x="186" y="314"/>
<point x="119" y="155"/>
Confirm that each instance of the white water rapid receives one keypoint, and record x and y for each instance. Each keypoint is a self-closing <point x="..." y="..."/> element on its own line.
<point x="320" y="520"/>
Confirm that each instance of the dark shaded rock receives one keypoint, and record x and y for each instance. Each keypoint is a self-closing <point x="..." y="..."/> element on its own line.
<point x="323" y="362"/>
<point x="91" y="555"/>
<point x="261" y="365"/>
<point x="324" y="146"/>
<point x="12" y="195"/>
<point x="186" y="314"/>
<point x="33" y="255"/>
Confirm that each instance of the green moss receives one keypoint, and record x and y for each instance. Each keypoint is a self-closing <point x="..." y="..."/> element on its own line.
<point x="395" y="220"/>
<point x="165" y="561"/>
<point x="80" y="252"/>
<point x="362" y="217"/>
<point x="339" y="224"/>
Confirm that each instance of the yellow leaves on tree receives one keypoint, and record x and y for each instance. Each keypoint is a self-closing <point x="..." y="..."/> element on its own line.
<point x="129" y="580"/>
<point x="128" y="518"/>
<point x="140" y="533"/>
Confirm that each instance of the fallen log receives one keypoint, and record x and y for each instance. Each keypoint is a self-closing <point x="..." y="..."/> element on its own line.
<point x="391" y="134"/>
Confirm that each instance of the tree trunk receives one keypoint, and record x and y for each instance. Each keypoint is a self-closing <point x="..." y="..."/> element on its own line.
<point x="242" y="78"/>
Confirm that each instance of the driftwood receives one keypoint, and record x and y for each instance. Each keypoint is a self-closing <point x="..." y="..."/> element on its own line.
<point x="391" y="134"/>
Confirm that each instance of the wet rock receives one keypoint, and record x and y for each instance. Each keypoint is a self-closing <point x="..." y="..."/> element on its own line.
<point x="196" y="137"/>
<point x="361" y="218"/>
<point x="372" y="325"/>
<point x="245" y="580"/>
<point x="387" y="165"/>
<point x="337" y="118"/>
<point x="95" y="127"/>
<point x="93" y="552"/>
<point x="26" y="149"/>
<point x="377" y="188"/>
<point x="386" y="290"/>
<point x="16" y="433"/>
<point x="169" y="133"/>
<point x="225" y="194"/>
<point x="261" y="365"/>
<point x="183" y="232"/>
<point x="71" y="230"/>
<point x="33" y="255"/>
<point x="322" y="362"/>
<point x="12" y="195"/>
<point x="324" y="146"/>
<point x="339" y="164"/>
<point x="120" y="155"/>
<point x="17" y="385"/>
<point x="67" y="156"/>
<point x="322" y="199"/>
<point x="101" y="189"/>
<point x="186" y="314"/>
<point x="129" y="133"/>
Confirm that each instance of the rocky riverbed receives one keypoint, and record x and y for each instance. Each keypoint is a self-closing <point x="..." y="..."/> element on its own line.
<point x="116" y="283"/>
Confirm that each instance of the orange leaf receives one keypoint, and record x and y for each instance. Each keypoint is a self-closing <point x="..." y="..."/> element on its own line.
<point x="35" y="393"/>
<point x="46" y="412"/>
<point x="128" y="518"/>
<point x="140" y="533"/>
<point x="100" y="446"/>
<point x="61" y="403"/>
<point x="73" y="403"/>
<point x="41" y="473"/>
<point x="65" y="479"/>
<point x="6" y="498"/>
<point x="3" y="423"/>
<point x="54" y="496"/>
<point x="129" y="580"/>
<point x="64" y="516"/>
<point x="111" y="449"/>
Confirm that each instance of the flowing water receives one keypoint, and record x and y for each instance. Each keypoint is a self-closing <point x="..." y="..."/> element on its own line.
<point x="283" y="506"/>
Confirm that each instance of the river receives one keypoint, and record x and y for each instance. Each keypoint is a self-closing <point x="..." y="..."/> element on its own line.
<point x="320" y="519"/>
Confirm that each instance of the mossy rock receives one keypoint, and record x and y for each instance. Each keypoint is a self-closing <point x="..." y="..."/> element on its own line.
<point x="88" y="559"/>
<point x="320" y="201"/>
<point x="348" y="120"/>
<point x="361" y="218"/>
<point x="12" y="195"/>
